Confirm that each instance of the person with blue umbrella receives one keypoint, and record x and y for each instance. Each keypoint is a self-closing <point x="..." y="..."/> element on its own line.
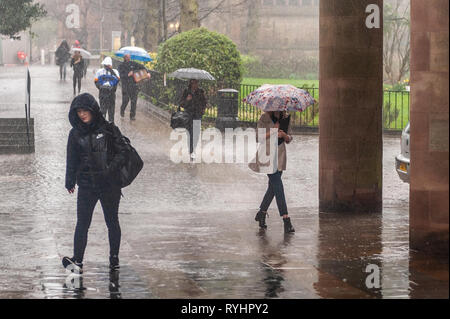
<point x="130" y="89"/>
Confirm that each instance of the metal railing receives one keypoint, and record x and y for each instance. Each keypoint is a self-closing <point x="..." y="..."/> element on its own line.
<point x="166" y="93"/>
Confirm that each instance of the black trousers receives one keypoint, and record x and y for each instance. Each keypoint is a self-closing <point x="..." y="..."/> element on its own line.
<point x="127" y="95"/>
<point x="77" y="80"/>
<point x="86" y="201"/>
<point x="108" y="104"/>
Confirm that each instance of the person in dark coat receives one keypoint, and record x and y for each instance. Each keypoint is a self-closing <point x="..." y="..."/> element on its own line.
<point x="194" y="102"/>
<point x="130" y="89"/>
<point x="95" y="153"/>
<point x="77" y="64"/>
<point x="62" y="57"/>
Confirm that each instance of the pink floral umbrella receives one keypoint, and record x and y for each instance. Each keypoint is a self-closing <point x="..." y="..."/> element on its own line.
<point x="280" y="98"/>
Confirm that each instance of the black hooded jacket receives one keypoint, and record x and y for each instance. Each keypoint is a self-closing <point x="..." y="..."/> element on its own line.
<point x="95" y="151"/>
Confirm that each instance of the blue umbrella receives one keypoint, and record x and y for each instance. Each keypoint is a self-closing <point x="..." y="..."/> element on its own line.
<point x="135" y="53"/>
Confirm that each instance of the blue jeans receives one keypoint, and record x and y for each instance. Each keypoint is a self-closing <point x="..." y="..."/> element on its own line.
<point x="275" y="189"/>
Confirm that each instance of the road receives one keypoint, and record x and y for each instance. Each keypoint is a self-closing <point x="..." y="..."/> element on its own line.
<point x="188" y="229"/>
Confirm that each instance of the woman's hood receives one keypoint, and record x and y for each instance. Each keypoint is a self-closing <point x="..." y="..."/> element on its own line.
<point x="88" y="102"/>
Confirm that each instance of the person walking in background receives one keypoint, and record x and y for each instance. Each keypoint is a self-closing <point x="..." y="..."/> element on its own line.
<point x="130" y="89"/>
<point x="269" y="121"/>
<point x="194" y="102"/>
<point x="77" y="64"/>
<point x="106" y="80"/>
<point x="62" y="58"/>
<point x="96" y="151"/>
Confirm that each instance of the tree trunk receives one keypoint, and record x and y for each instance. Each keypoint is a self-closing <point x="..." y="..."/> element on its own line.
<point x="189" y="15"/>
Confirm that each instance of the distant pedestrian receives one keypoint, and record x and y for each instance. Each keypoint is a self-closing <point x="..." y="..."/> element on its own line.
<point x="269" y="121"/>
<point x="130" y="88"/>
<point x="106" y="80"/>
<point x="77" y="64"/>
<point x="95" y="152"/>
<point x="194" y="103"/>
<point x="62" y="58"/>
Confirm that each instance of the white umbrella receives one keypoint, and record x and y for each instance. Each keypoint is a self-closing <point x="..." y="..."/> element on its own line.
<point x="85" y="54"/>
<point x="191" y="73"/>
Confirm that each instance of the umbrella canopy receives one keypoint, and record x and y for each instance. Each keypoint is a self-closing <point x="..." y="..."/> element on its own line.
<point x="192" y="74"/>
<point x="136" y="53"/>
<point x="85" y="54"/>
<point x="280" y="98"/>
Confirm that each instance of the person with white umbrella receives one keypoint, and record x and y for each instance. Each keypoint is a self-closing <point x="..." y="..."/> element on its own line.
<point x="194" y="103"/>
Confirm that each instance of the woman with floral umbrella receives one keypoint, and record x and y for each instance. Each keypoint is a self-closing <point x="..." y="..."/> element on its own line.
<point x="274" y="132"/>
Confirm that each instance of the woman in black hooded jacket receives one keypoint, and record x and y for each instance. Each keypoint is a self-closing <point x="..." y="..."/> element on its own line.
<point x="95" y="153"/>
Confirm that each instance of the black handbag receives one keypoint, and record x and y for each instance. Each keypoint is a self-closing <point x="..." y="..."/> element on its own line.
<point x="181" y="119"/>
<point x="132" y="167"/>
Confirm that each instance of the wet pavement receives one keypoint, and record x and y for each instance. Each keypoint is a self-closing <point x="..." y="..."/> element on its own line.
<point x="188" y="229"/>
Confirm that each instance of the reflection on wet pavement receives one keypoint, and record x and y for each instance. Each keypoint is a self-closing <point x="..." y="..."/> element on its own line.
<point x="188" y="230"/>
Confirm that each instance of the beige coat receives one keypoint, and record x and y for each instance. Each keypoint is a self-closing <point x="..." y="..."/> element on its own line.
<point x="266" y="122"/>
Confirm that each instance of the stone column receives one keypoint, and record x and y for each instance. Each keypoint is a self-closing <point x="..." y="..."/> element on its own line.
<point x="351" y="98"/>
<point x="429" y="203"/>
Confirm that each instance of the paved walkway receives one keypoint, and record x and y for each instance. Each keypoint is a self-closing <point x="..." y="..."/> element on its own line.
<point x="188" y="230"/>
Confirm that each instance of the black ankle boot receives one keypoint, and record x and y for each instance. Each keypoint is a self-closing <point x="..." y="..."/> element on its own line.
<point x="288" y="228"/>
<point x="261" y="218"/>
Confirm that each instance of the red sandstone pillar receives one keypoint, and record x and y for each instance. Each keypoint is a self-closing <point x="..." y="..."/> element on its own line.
<point x="429" y="203"/>
<point x="351" y="98"/>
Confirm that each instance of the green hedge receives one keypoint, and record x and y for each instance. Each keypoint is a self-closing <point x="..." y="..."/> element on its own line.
<point x="202" y="49"/>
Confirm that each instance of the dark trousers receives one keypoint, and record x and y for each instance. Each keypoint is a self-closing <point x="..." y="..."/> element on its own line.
<point x="275" y="189"/>
<point x="77" y="80"/>
<point x="128" y="95"/>
<point x="108" y="105"/>
<point x="86" y="201"/>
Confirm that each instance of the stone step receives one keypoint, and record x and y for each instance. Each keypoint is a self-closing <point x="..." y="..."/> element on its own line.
<point x="15" y="121"/>
<point x="13" y="142"/>
<point x="15" y="129"/>
<point x="16" y="149"/>
<point x="15" y="136"/>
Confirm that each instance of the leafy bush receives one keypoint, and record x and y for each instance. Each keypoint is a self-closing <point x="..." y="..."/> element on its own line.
<point x="202" y="49"/>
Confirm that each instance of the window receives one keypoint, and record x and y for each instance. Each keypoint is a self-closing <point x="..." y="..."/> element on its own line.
<point x="268" y="2"/>
<point x="294" y="2"/>
<point x="281" y="2"/>
<point x="306" y="3"/>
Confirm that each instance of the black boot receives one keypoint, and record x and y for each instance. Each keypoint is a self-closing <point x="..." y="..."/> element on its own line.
<point x="261" y="218"/>
<point x="114" y="263"/>
<point x="288" y="228"/>
<point x="74" y="266"/>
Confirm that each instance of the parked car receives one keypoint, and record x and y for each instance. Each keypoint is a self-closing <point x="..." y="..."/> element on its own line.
<point x="402" y="160"/>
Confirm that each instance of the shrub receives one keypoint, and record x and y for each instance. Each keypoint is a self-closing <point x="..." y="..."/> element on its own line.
<point x="202" y="49"/>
